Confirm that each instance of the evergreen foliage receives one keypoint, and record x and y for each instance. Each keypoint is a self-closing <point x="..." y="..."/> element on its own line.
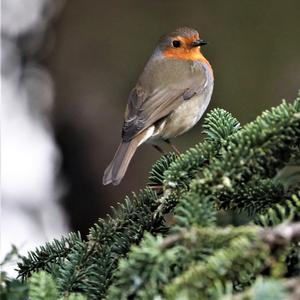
<point x="12" y="289"/>
<point x="267" y="289"/>
<point x="135" y="254"/>
<point x="42" y="287"/>
<point x="287" y="211"/>
<point x="49" y="256"/>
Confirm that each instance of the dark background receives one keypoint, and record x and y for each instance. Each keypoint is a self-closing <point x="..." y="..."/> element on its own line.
<point x="101" y="48"/>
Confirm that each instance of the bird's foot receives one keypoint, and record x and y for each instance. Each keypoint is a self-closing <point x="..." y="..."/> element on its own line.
<point x="174" y="148"/>
<point x="159" y="149"/>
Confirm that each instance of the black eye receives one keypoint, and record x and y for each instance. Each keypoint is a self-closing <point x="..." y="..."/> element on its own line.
<point x="176" y="44"/>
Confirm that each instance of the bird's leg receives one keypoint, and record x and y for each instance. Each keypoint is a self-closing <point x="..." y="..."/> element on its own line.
<point x="159" y="149"/>
<point x="174" y="148"/>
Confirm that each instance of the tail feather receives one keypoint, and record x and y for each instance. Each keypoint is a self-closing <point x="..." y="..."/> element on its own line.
<point x="118" y="166"/>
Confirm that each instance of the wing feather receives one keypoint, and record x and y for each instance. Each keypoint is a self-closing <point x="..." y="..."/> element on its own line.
<point x="147" y="106"/>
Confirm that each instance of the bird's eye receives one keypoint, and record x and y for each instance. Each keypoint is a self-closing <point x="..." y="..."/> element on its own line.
<point x="176" y="44"/>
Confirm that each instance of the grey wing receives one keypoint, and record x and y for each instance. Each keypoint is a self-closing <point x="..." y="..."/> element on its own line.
<point x="145" y="108"/>
<point x="142" y="113"/>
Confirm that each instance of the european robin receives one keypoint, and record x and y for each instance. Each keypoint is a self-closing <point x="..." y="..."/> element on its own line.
<point x="169" y="98"/>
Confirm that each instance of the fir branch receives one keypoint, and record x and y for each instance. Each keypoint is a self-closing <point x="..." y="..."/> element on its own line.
<point x="73" y="272"/>
<point x="288" y="211"/>
<point x="156" y="177"/>
<point x="42" y="287"/>
<point x="74" y="296"/>
<point x="232" y="168"/>
<point x="258" y="149"/>
<point x="156" y="261"/>
<point x="12" y="289"/>
<point x="193" y="210"/>
<point x="253" y="196"/>
<point x="263" y="288"/>
<point x="134" y="216"/>
<point x="268" y="289"/>
<point x="89" y="268"/>
<point x="147" y="269"/>
<point x="245" y="257"/>
<point x="44" y="257"/>
<point x="219" y="125"/>
<point x="225" y="265"/>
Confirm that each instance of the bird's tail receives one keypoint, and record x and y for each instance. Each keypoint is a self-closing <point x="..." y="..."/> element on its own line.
<point x="118" y="166"/>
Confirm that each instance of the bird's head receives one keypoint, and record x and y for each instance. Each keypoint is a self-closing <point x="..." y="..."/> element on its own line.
<point x="183" y="43"/>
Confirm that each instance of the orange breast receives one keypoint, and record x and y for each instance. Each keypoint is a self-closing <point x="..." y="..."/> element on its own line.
<point x="186" y="54"/>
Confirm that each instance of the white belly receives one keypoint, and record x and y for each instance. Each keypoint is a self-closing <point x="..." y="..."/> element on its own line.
<point x="184" y="117"/>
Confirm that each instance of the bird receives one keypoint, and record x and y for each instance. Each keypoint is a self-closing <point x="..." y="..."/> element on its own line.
<point x="169" y="98"/>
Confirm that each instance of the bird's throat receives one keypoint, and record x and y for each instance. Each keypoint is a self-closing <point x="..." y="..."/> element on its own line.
<point x="186" y="54"/>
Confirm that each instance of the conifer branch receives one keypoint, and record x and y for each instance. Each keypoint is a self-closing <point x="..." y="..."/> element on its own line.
<point x="233" y="168"/>
<point x="89" y="268"/>
<point x="286" y="211"/>
<point x="249" y="254"/>
<point x="45" y="257"/>
<point x="150" y="266"/>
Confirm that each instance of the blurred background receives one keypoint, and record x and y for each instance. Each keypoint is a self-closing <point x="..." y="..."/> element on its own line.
<point x="67" y="68"/>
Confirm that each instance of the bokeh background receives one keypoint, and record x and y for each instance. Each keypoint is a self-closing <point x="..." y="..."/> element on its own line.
<point x="87" y="55"/>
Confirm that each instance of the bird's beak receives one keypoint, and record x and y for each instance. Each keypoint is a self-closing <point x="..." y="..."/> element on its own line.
<point x="199" y="43"/>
